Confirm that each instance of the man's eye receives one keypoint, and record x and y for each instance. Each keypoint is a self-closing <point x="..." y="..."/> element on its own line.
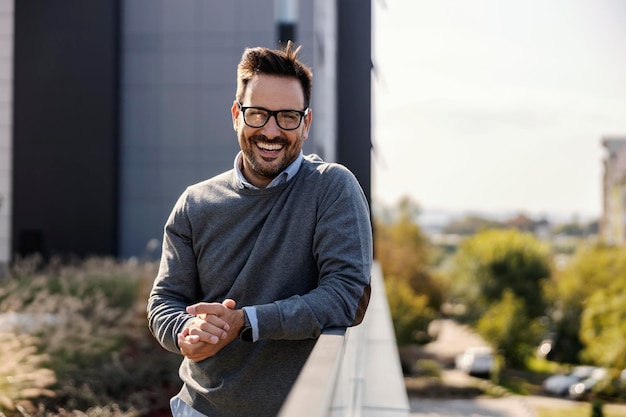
<point x="291" y="116"/>
<point x="256" y="113"/>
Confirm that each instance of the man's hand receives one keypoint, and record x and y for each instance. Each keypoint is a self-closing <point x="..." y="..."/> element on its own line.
<point x="215" y="326"/>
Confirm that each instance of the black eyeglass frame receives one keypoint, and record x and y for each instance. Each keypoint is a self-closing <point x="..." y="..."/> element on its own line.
<point x="271" y="113"/>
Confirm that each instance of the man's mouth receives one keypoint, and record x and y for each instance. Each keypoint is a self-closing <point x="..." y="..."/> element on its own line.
<point x="264" y="146"/>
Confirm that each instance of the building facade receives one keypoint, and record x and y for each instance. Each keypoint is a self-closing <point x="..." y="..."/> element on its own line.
<point x="6" y="139"/>
<point x="118" y="105"/>
<point x="613" y="222"/>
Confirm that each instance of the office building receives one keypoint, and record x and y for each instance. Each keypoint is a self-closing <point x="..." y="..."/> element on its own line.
<point x="109" y="109"/>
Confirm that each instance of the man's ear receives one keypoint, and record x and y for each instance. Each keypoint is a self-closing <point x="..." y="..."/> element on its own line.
<point x="234" y="111"/>
<point x="307" y="123"/>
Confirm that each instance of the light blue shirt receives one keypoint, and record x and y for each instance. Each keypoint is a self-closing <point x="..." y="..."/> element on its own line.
<point x="182" y="409"/>
<point x="242" y="182"/>
<point x="282" y="178"/>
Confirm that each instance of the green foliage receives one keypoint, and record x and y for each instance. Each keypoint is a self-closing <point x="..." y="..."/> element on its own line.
<point x="404" y="253"/>
<point x="493" y="261"/>
<point x="409" y="312"/>
<point x="428" y="367"/>
<point x="89" y="319"/>
<point x="413" y="291"/>
<point x="506" y="326"/>
<point x="588" y="299"/>
<point x="603" y="327"/>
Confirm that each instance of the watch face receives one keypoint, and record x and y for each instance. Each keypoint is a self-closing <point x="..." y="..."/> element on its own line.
<point x="246" y="334"/>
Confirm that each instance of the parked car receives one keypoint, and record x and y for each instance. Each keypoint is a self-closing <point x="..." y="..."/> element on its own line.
<point x="478" y="360"/>
<point x="559" y="384"/>
<point x="581" y="389"/>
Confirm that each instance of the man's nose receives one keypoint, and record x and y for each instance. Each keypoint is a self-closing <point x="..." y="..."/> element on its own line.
<point x="271" y="127"/>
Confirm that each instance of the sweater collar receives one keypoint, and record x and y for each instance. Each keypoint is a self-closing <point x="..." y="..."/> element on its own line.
<point x="282" y="178"/>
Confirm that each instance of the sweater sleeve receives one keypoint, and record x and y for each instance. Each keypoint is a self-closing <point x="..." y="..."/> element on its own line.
<point x="176" y="285"/>
<point x="342" y="247"/>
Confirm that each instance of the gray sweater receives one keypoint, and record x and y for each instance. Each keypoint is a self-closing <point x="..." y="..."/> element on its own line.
<point x="300" y="252"/>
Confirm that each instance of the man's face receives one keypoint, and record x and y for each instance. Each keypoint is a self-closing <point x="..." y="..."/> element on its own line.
<point x="268" y="150"/>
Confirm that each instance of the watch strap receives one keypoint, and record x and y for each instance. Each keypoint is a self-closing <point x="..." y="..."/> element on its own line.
<point x="245" y="334"/>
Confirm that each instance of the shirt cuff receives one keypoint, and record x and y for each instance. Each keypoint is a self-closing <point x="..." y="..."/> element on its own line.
<point x="254" y="322"/>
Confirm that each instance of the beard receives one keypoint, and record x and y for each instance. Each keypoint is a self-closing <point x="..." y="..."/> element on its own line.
<point x="262" y="166"/>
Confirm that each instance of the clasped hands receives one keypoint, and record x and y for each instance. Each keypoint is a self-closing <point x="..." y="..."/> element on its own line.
<point x="214" y="326"/>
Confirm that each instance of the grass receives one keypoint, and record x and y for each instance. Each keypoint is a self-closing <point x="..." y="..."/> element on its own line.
<point x="578" y="410"/>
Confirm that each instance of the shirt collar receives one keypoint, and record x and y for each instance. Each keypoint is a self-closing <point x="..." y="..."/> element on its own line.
<point x="282" y="178"/>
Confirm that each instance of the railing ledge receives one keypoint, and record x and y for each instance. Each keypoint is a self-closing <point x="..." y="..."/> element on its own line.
<point x="353" y="372"/>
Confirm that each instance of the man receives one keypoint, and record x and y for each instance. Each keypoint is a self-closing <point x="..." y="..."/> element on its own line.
<point x="259" y="260"/>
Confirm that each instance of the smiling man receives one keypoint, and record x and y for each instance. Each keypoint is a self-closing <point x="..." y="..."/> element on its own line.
<point x="259" y="260"/>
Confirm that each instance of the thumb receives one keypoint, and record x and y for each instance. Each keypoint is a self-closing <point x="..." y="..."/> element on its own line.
<point x="229" y="303"/>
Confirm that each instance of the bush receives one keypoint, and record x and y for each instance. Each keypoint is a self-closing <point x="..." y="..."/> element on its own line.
<point x="22" y="375"/>
<point x="410" y="313"/>
<point x="428" y="367"/>
<point x="88" y="320"/>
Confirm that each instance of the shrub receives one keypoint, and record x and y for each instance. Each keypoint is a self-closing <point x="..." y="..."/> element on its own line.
<point x="89" y="319"/>
<point x="409" y="312"/>
<point x="428" y="367"/>
<point x="22" y="376"/>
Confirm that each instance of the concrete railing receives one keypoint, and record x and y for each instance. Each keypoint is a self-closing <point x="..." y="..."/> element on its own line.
<point x="353" y="372"/>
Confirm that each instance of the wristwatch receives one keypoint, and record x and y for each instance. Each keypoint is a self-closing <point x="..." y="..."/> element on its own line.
<point x="245" y="333"/>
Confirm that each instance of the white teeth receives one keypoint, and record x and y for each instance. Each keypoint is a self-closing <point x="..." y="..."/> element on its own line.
<point x="270" y="146"/>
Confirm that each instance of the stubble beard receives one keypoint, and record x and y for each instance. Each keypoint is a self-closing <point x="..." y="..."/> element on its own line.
<point x="268" y="172"/>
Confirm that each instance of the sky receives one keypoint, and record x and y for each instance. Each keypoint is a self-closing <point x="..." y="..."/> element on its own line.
<point x="496" y="105"/>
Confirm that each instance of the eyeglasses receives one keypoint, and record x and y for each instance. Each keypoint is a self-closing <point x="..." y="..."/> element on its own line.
<point x="285" y="119"/>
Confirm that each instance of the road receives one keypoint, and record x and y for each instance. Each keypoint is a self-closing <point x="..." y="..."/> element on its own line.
<point x="453" y="339"/>
<point x="480" y="407"/>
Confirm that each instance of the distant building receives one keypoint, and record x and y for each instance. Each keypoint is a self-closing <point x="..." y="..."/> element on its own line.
<point x="613" y="222"/>
<point x="108" y="109"/>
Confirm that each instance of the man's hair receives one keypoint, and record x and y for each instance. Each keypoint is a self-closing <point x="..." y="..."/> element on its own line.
<point x="281" y="63"/>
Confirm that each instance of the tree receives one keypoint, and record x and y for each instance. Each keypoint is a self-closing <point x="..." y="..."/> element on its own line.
<point x="404" y="255"/>
<point x="410" y="313"/>
<point x="591" y="287"/>
<point x="603" y="326"/>
<point x="507" y="327"/>
<point x="493" y="261"/>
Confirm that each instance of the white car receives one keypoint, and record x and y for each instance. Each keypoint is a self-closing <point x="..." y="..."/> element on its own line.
<point x="559" y="384"/>
<point x="477" y="360"/>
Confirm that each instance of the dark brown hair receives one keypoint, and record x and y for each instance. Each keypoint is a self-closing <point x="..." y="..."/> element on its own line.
<point x="282" y="63"/>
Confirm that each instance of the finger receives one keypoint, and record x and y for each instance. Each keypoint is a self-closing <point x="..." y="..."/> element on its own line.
<point x="195" y="352"/>
<point x="211" y="337"/>
<point x="217" y="322"/>
<point x="229" y="303"/>
<point x="205" y="308"/>
<point x="192" y="338"/>
<point x="184" y="344"/>
<point x="182" y="336"/>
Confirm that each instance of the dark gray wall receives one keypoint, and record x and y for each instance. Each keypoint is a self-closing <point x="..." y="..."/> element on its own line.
<point x="354" y="84"/>
<point x="65" y="127"/>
